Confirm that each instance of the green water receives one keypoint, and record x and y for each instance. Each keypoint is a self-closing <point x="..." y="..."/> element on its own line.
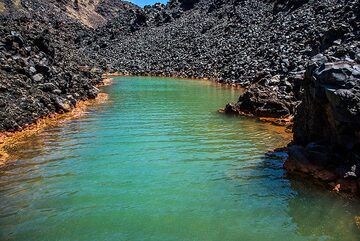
<point x="157" y="162"/>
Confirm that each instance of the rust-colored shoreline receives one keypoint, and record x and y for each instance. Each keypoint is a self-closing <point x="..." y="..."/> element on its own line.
<point x="8" y="139"/>
<point x="281" y="125"/>
<point x="285" y="123"/>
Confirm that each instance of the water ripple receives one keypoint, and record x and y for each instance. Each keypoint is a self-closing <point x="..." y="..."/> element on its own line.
<point x="158" y="162"/>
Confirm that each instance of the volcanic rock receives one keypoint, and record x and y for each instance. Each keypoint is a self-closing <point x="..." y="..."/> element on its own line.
<point x="327" y="122"/>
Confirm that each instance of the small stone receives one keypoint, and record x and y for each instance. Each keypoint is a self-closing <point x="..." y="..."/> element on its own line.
<point x="32" y="70"/>
<point x="62" y="105"/>
<point x="57" y="91"/>
<point x="337" y="42"/>
<point x="337" y="188"/>
<point x="17" y="38"/>
<point x="351" y="173"/>
<point x="38" y="77"/>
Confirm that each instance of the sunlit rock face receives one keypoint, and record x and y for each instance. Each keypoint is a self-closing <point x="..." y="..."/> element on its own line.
<point x="95" y="13"/>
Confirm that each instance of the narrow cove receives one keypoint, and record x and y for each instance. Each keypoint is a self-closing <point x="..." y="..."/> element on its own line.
<point x="158" y="162"/>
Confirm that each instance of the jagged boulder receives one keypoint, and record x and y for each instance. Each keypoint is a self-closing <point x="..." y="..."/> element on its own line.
<point x="327" y="125"/>
<point x="330" y="109"/>
<point x="271" y="96"/>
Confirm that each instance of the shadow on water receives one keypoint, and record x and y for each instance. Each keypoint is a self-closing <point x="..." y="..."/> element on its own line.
<point x="317" y="213"/>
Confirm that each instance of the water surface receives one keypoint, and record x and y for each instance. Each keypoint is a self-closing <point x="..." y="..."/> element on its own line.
<point x="158" y="162"/>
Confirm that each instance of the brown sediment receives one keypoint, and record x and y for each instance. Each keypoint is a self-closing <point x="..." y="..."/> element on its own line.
<point x="105" y="82"/>
<point x="282" y="126"/>
<point x="284" y="131"/>
<point x="113" y="74"/>
<point x="9" y="139"/>
<point x="285" y="122"/>
<point x="298" y="164"/>
<point x="119" y="74"/>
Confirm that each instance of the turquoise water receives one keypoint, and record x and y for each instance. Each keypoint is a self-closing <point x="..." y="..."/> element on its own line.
<point x="158" y="162"/>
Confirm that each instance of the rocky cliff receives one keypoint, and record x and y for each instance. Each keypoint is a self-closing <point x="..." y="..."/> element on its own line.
<point x="327" y="125"/>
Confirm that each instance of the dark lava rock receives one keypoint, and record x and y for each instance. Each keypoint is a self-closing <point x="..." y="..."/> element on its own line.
<point x="40" y="63"/>
<point x="330" y="109"/>
<point x="327" y="122"/>
<point x="269" y="97"/>
<point x="62" y="105"/>
<point x="233" y="42"/>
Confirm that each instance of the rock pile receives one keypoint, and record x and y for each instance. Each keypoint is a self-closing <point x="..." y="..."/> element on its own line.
<point x="270" y="96"/>
<point x="42" y="71"/>
<point x="233" y="42"/>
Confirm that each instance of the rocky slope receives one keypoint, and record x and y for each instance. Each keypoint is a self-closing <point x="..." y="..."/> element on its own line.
<point x="266" y="46"/>
<point x="260" y="44"/>
<point x="331" y="28"/>
<point x="295" y="57"/>
<point x="43" y="70"/>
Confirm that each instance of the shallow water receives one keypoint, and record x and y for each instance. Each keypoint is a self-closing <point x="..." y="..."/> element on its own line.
<point x="157" y="162"/>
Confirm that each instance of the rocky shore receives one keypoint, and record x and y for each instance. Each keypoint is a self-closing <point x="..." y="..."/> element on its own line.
<point x="10" y="139"/>
<point x="298" y="60"/>
<point x="262" y="45"/>
<point x="327" y="125"/>
<point x="42" y="70"/>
